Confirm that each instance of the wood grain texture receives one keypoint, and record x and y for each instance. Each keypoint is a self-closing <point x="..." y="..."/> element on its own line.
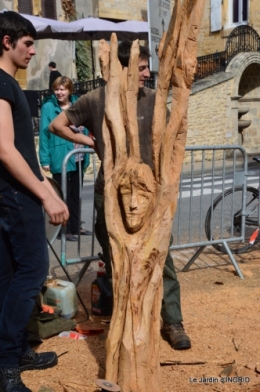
<point x="139" y="243"/>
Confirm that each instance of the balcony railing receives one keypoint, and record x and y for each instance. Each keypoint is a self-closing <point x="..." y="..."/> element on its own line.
<point x="242" y="39"/>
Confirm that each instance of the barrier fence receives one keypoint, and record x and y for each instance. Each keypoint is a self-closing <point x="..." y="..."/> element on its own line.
<point x="207" y="172"/>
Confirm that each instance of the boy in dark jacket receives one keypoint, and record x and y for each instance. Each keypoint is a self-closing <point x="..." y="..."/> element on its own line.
<point x="24" y="191"/>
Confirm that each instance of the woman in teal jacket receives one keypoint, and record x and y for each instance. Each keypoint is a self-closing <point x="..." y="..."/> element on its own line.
<point x="53" y="149"/>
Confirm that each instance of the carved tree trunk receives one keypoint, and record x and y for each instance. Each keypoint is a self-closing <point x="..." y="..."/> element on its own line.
<point x="139" y="244"/>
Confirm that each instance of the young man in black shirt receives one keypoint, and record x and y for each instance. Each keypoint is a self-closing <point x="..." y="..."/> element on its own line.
<point x="23" y="192"/>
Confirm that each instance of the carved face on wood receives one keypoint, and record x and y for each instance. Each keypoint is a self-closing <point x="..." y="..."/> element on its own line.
<point x="190" y="70"/>
<point x="137" y="194"/>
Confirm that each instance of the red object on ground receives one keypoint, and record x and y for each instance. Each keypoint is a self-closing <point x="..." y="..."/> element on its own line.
<point x="47" y="309"/>
<point x="89" y="331"/>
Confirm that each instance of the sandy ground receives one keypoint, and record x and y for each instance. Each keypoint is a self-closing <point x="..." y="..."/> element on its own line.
<point x="221" y="316"/>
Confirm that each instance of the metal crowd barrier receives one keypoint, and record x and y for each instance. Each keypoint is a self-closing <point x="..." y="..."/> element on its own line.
<point x="207" y="172"/>
<point x="79" y="258"/>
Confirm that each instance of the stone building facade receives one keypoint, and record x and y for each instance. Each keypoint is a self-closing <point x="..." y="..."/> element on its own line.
<point x="224" y="108"/>
<point x="220" y="18"/>
<point x="218" y="105"/>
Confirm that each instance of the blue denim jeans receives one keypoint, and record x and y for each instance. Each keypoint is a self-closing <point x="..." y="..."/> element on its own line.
<point x="23" y="268"/>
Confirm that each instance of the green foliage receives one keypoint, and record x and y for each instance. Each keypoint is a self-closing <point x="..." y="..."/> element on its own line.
<point x="83" y="60"/>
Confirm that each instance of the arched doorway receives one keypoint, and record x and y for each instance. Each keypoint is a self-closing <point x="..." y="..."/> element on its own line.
<point x="249" y="90"/>
<point x="246" y="91"/>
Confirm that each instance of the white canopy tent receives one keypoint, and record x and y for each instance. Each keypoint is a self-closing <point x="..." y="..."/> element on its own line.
<point x="138" y="29"/>
<point x="96" y="29"/>
<point x="87" y="29"/>
<point x="50" y="28"/>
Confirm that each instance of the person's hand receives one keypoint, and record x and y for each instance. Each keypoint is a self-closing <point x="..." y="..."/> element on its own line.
<point x="94" y="146"/>
<point x="90" y="141"/>
<point x="57" y="211"/>
<point x="93" y="141"/>
<point x="46" y="168"/>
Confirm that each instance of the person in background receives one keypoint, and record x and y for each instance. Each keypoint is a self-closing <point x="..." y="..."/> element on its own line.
<point x="53" y="149"/>
<point x="24" y="192"/>
<point x="89" y="111"/>
<point x="54" y="74"/>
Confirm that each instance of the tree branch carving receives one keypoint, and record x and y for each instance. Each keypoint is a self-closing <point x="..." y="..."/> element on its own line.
<point x="140" y="202"/>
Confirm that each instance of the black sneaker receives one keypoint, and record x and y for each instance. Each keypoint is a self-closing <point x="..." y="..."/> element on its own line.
<point x="10" y="380"/>
<point x="71" y="237"/>
<point x="38" y="361"/>
<point x="176" y="336"/>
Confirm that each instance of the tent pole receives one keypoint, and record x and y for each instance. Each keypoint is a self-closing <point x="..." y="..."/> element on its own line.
<point x="93" y="65"/>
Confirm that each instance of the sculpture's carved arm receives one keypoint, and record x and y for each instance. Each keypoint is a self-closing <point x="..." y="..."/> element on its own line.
<point x="113" y="115"/>
<point x="182" y="78"/>
<point x="131" y="100"/>
<point x="167" y="55"/>
<point x="103" y="55"/>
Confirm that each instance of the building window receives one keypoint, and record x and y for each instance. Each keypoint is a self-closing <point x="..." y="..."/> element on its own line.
<point x="25" y="7"/>
<point x="239" y="11"/>
<point x="49" y="9"/>
<point x="215" y="15"/>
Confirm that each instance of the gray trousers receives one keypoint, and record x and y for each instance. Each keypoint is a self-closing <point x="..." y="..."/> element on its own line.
<point x="171" y="303"/>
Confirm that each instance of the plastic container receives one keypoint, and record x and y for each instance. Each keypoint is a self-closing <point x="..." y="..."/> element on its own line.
<point x="101" y="293"/>
<point x="72" y="335"/>
<point x="62" y="294"/>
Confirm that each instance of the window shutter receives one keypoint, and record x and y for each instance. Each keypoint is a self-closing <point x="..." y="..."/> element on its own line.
<point x="25" y="7"/>
<point x="215" y="15"/>
<point x="49" y="9"/>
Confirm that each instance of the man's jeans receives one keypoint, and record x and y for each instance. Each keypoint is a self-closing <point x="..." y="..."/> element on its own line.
<point x="23" y="268"/>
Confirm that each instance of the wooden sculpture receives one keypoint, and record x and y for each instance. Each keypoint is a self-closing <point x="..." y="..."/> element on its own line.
<point x="140" y="203"/>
